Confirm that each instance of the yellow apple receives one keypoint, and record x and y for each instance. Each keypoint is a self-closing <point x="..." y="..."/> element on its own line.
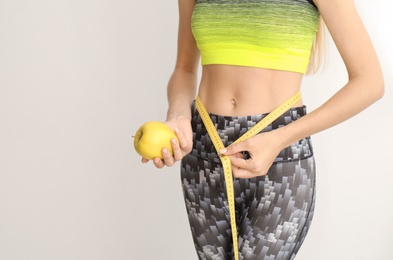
<point x="151" y="138"/>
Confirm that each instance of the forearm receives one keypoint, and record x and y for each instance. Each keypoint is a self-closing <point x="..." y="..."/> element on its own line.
<point x="181" y="93"/>
<point x="357" y="95"/>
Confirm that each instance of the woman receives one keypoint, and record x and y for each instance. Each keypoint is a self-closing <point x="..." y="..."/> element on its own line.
<point x="254" y="55"/>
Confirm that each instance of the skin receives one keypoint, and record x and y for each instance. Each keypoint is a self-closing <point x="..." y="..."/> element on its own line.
<point x="234" y="90"/>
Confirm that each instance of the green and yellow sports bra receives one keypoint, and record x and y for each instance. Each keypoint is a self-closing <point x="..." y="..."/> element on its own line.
<point x="272" y="34"/>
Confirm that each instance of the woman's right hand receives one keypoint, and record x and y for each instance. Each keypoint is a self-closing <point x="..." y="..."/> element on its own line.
<point x="183" y="131"/>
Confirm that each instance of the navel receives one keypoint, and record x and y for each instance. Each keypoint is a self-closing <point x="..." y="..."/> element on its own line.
<point x="233" y="102"/>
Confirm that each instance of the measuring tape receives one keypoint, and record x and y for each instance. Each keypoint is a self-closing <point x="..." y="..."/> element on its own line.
<point x="226" y="162"/>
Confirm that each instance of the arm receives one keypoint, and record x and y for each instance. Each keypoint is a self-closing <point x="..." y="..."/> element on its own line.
<point x="365" y="86"/>
<point x="182" y="84"/>
<point x="181" y="88"/>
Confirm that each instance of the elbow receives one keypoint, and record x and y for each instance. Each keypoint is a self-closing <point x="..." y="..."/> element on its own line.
<point x="382" y="89"/>
<point x="373" y="85"/>
<point x="377" y="83"/>
<point x="375" y="90"/>
<point x="378" y="88"/>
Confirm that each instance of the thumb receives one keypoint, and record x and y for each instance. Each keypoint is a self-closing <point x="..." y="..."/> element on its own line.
<point x="233" y="149"/>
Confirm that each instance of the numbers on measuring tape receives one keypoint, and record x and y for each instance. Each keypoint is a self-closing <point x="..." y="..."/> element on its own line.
<point x="217" y="142"/>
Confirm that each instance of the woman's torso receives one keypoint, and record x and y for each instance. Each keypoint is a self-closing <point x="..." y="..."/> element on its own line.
<point x="265" y="45"/>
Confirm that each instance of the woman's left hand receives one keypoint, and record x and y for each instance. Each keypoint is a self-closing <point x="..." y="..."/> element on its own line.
<point x="263" y="149"/>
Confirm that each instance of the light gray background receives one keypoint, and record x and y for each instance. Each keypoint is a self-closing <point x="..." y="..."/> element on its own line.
<point x="78" y="77"/>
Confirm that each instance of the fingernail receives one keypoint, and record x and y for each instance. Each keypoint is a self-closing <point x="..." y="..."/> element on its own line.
<point x="177" y="130"/>
<point x="165" y="150"/>
<point x="173" y="141"/>
<point x="223" y="151"/>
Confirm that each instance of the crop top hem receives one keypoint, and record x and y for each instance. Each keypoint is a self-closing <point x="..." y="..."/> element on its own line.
<point x="254" y="56"/>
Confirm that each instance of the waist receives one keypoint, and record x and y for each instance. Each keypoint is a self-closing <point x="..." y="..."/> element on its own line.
<point x="238" y="90"/>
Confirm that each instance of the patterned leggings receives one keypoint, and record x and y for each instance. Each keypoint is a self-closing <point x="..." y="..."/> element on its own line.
<point x="273" y="212"/>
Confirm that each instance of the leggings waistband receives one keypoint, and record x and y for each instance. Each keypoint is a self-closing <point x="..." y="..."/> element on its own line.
<point x="231" y="128"/>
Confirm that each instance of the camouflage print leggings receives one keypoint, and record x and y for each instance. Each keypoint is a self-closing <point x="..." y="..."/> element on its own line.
<point x="273" y="212"/>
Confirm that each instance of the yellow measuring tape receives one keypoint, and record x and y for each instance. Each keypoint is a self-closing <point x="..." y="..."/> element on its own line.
<point x="226" y="163"/>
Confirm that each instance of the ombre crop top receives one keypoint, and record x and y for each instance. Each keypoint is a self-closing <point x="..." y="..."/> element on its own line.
<point x="272" y="34"/>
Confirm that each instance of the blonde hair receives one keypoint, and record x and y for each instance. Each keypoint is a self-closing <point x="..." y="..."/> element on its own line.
<point x="318" y="50"/>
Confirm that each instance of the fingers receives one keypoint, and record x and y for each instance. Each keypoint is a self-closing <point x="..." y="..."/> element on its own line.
<point x="179" y="145"/>
<point x="235" y="148"/>
<point x="247" y="168"/>
<point x="185" y="144"/>
<point x="238" y="155"/>
<point x="241" y="163"/>
<point x="158" y="163"/>
<point x="144" y="160"/>
<point x="243" y="174"/>
<point x="182" y="138"/>
<point x="169" y="159"/>
<point x="177" y="151"/>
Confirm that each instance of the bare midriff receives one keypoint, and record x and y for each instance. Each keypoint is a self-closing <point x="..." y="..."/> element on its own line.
<point x="238" y="91"/>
